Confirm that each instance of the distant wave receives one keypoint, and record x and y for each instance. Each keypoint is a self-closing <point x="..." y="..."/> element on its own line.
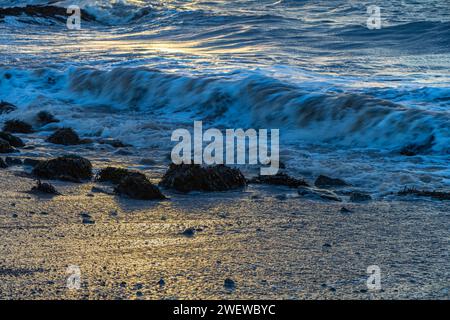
<point x="430" y="36"/>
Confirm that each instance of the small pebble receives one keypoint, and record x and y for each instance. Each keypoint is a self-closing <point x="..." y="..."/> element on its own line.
<point x="190" y="232"/>
<point x="229" y="284"/>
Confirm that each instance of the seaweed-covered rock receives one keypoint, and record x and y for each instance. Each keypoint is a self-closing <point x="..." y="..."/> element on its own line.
<point x="18" y="126"/>
<point x="5" y="147"/>
<point x="13" y="140"/>
<point x="280" y="179"/>
<point x="69" y="168"/>
<point x="359" y="197"/>
<point x="45" y="117"/>
<point x="439" y="195"/>
<point x="138" y="187"/>
<point x="193" y="177"/>
<point x="44" y="188"/>
<point x="115" y="175"/>
<point x="65" y="136"/>
<point x="6" y="107"/>
<point x="327" y="182"/>
<point x="317" y="194"/>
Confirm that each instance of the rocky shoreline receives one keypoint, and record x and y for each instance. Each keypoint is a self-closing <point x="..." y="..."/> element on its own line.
<point x="183" y="178"/>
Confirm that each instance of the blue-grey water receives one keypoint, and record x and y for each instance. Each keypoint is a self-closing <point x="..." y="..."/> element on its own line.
<point x="346" y="98"/>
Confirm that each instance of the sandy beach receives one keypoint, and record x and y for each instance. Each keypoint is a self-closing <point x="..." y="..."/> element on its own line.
<point x="272" y="243"/>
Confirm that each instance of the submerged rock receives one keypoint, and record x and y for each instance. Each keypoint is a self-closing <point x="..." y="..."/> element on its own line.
<point x="18" y="126"/>
<point x="3" y="164"/>
<point x="115" y="175"/>
<point x="43" y="11"/>
<point x="327" y="182"/>
<point x="439" y="195"/>
<point x="45" y="188"/>
<point x="138" y="187"/>
<point x="5" y="147"/>
<point x="113" y="143"/>
<point x="318" y="194"/>
<point x="359" y="197"/>
<point x="69" y="168"/>
<point x="280" y="179"/>
<point x="6" y="107"/>
<point x="192" y="177"/>
<point x="416" y="149"/>
<point x="45" y="117"/>
<point x="13" y="140"/>
<point x="13" y="161"/>
<point x="65" y="136"/>
<point x="31" y="162"/>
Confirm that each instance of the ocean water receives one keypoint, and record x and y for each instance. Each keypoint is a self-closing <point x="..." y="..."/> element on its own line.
<point x="346" y="98"/>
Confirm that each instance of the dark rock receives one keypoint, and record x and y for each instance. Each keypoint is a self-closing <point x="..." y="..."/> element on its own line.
<point x="415" y="149"/>
<point x="280" y="179"/>
<point x="13" y="161"/>
<point x="345" y="210"/>
<point x="6" y="107"/>
<point x="147" y="162"/>
<point x="18" y="126"/>
<point x="86" y="218"/>
<point x="161" y="282"/>
<point x="65" y="136"/>
<point x="3" y="164"/>
<point x="139" y="294"/>
<point x="439" y="195"/>
<point x="114" y="143"/>
<point x="13" y="140"/>
<point x="115" y="175"/>
<point x="31" y="162"/>
<point x="100" y="190"/>
<point x="192" y="177"/>
<point x="138" y="187"/>
<point x="43" y="11"/>
<point x="69" y="168"/>
<point x="326" y="245"/>
<point x="327" y="182"/>
<point x="189" y="232"/>
<point x="87" y="221"/>
<point x="229" y="284"/>
<point x="45" y="117"/>
<point x="45" y="188"/>
<point x="318" y="194"/>
<point x="122" y="152"/>
<point x="5" y="147"/>
<point x="359" y="197"/>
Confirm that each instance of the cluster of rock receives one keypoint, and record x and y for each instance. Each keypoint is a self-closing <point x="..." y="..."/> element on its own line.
<point x="182" y="178"/>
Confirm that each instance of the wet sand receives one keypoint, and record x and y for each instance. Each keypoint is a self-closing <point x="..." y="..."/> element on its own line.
<point x="273" y="244"/>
